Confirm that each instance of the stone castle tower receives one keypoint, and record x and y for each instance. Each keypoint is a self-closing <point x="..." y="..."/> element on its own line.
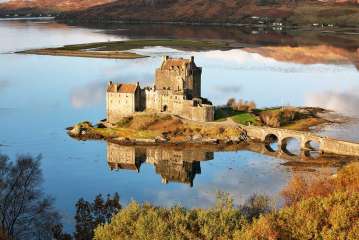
<point x="176" y="90"/>
<point x="180" y="75"/>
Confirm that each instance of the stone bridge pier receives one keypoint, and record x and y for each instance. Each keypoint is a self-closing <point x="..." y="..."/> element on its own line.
<point x="307" y="140"/>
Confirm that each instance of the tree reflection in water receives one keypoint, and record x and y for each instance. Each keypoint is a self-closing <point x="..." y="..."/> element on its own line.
<point x="25" y="212"/>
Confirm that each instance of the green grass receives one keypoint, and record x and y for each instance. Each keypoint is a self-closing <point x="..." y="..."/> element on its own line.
<point x="245" y="118"/>
<point x="222" y="114"/>
<point x="125" y="132"/>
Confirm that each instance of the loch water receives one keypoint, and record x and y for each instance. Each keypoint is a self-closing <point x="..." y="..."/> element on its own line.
<point x="42" y="95"/>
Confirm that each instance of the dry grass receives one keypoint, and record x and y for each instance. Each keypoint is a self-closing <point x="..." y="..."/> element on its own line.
<point x="87" y="54"/>
<point x="305" y="124"/>
<point x="151" y="126"/>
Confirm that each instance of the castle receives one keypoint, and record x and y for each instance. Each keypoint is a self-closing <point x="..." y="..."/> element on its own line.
<point x="177" y="90"/>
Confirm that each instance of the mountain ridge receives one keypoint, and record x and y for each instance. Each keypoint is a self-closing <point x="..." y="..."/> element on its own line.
<point x="288" y="12"/>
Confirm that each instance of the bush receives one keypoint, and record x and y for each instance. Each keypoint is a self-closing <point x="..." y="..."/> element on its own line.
<point x="316" y="208"/>
<point x="149" y="222"/>
<point x="279" y="117"/>
<point x="243" y="106"/>
<point x="332" y="217"/>
<point x="300" y="187"/>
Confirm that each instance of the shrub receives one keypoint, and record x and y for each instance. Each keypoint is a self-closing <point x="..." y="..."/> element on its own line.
<point x="317" y="208"/>
<point x="332" y="217"/>
<point x="146" y="221"/>
<point x="243" y="106"/>
<point x="279" y="117"/>
<point x="300" y="187"/>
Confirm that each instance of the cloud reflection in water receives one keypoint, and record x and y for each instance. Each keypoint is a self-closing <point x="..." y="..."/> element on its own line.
<point x="93" y="93"/>
<point x="4" y="84"/>
<point x="342" y="102"/>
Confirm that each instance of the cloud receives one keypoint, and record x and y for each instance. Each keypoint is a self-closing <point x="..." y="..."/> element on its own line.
<point x="228" y="89"/>
<point x="240" y="59"/>
<point x="345" y="103"/>
<point x="241" y="174"/>
<point x="88" y="95"/>
<point x="93" y="93"/>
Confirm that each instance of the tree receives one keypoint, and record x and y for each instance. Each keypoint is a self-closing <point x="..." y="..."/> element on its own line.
<point x="25" y="213"/>
<point x="90" y="215"/>
<point x="231" y="102"/>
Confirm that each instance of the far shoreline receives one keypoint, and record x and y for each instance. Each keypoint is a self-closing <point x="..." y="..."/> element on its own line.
<point x="84" y="54"/>
<point x="122" y="49"/>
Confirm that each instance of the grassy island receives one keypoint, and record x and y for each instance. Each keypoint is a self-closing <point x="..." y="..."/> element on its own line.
<point x="84" y="53"/>
<point x="158" y="128"/>
<point x="294" y="118"/>
<point x="228" y="127"/>
<point x="120" y="49"/>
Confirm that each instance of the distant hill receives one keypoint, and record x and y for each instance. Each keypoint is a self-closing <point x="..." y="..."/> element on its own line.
<point x="291" y="12"/>
<point x="224" y="11"/>
<point x="54" y="5"/>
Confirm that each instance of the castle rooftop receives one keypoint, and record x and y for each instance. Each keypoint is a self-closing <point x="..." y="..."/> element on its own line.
<point x="122" y="88"/>
<point x="170" y="63"/>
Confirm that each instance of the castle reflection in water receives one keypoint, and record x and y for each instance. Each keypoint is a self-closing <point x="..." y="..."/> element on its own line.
<point x="182" y="164"/>
<point x="172" y="164"/>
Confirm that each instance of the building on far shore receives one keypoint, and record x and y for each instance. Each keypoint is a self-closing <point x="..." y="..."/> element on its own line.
<point x="177" y="90"/>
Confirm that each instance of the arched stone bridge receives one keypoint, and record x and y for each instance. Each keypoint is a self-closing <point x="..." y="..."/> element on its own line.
<point x="282" y="137"/>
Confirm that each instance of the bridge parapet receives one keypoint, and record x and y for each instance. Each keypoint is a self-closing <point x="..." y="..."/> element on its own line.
<point x="282" y="137"/>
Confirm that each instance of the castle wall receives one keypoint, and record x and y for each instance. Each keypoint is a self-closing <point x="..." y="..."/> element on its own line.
<point x="170" y="79"/>
<point x="200" y="112"/>
<point x="204" y="113"/>
<point x="193" y="83"/>
<point x="119" y="105"/>
<point x="138" y="100"/>
<point x="175" y="104"/>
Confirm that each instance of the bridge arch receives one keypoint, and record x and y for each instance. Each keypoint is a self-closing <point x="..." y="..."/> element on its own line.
<point x="312" y="145"/>
<point x="271" y="142"/>
<point x="291" y="146"/>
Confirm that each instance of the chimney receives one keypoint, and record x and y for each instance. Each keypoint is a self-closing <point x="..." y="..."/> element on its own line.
<point x="165" y="58"/>
<point x="110" y="83"/>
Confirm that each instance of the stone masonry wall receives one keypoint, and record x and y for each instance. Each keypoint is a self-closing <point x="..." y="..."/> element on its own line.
<point x="170" y="79"/>
<point x="119" y="105"/>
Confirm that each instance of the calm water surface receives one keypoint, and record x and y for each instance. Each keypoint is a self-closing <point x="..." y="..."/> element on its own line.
<point x="42" y="95"/>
